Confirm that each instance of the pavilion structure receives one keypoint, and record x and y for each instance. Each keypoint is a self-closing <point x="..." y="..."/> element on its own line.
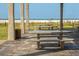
<point x="11" y="20"/>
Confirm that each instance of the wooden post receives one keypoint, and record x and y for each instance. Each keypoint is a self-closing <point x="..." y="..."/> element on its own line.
<point x="22" y="18"/>
<point x="61" y="16"/>
<point x="11" y="25"/>
<point x="38" y="43"/>
<point x="61" y="26"/>
<point x="27" y="17"/>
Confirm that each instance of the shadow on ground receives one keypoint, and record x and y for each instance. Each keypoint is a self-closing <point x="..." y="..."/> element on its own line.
<point x="10" y="46"/>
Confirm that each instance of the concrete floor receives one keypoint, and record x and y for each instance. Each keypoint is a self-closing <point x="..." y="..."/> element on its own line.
<point x="24" y="48"/>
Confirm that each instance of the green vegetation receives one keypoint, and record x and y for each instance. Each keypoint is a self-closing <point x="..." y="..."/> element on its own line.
<point x="4" y="27"/>
<point x="3" y="31"/>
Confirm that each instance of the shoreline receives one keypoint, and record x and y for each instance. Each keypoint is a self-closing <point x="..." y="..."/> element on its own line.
<point x="18" y="21"/>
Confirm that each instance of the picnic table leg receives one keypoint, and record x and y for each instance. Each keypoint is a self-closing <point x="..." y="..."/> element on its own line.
<point x="61" y="42"/>
<point x="58" y="41"/>
<point x="38" y="43"/>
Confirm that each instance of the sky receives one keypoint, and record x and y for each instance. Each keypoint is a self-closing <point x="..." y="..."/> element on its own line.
<point x="42" y="10"/>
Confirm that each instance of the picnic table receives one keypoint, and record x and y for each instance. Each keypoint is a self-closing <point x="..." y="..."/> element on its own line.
<point x="44" y="32"/>
<point x="43" y="27"/>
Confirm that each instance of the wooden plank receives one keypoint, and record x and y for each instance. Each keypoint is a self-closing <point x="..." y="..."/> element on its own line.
<point x="42" y="26"/>
<point x="53" y="36"/>
<point x="49" y="31"/>
<point x="65" y="40"/>
<point x="43" y="40"/>
<point x="48" y="48"/>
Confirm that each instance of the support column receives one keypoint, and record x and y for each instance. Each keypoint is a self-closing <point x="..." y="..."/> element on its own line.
<point x="27" y="17"/>
<point x="61" y="26"/>
<point x="22" y="18"/>
<point x="11" y="25"/>
<point x="61" y="16"/>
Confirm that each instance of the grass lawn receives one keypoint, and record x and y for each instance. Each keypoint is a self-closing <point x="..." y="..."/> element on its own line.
<point x="4" y="28"/>
<point x="4" y="31"/>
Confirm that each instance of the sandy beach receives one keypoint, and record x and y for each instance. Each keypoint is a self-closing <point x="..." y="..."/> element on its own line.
<point x="18" y="21"/>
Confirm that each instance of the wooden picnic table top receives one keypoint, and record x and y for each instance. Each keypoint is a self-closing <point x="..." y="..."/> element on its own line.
<point x="49" y="31"/>
<point x="43" y="26"/>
